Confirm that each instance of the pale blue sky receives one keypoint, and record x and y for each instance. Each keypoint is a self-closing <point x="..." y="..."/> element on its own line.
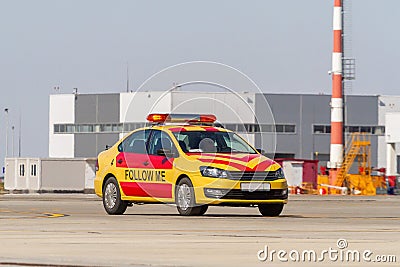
<point x="285" y="46"/>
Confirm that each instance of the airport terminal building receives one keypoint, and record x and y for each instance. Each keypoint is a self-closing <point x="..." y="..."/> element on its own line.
<point x="284" y="125"/>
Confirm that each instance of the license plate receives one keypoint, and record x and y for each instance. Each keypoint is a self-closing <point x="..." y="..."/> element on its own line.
<point x="255" y="187"/>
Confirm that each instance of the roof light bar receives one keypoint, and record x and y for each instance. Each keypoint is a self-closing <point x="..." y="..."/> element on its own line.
<point x="184" y="118"/>
<point x="157" y="117"/>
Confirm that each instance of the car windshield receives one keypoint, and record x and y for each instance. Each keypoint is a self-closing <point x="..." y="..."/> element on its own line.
<point x="212" y="142"/>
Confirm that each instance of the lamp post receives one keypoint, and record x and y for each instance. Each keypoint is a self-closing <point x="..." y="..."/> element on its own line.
<point x="19" y="134"/>
<point x="12" y="141"/>
<point x="6" y="112"/>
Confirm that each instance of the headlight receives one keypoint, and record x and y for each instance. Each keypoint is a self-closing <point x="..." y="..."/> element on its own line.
<point x="279" y="173"/>
<point x="213" y="172"/>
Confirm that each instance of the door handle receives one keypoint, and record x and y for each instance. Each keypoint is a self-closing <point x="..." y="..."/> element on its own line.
<point x="145" y="163"/>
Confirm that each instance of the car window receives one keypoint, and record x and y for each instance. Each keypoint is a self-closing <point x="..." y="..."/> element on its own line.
<point x="212" y="142"/>
<point x="135" y="143"/>
<point x="160" y="140"/>
<point x="235" y="143"/>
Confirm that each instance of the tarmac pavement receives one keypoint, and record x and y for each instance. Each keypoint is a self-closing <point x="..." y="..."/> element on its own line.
<point x="74" y="230"/>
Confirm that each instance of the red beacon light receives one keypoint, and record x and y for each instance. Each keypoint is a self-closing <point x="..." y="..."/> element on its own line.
<point x="157" y="118"/>
<point x="181" y="118"/>
<point x="207" y="118"/>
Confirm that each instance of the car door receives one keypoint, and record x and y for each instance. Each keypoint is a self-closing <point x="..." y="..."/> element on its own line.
<point x="141" y="171"/>
<point x="132" y="163"/>
<point x="162" y="153"/>
<point x="133" y="151"/>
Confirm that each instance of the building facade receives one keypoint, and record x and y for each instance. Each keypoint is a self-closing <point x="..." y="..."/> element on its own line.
<point x="82" y="125"/>
<point x="284" y="125"/>
<point x="310" y="117"/>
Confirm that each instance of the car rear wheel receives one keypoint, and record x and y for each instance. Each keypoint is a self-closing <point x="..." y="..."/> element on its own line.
<point x="270" y="210"/>
<point x="112" y="198"/>
<point x="185" y="199"/>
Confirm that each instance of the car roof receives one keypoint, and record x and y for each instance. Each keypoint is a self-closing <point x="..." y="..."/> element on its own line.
<point x="189" y="127"/>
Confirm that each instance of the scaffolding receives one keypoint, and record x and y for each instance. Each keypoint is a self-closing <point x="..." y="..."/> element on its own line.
<point x="358" y="147"/>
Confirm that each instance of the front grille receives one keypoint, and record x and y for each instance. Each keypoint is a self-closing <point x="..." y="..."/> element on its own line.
<point x="256" y="195"/>
<point x="253" y="176"/>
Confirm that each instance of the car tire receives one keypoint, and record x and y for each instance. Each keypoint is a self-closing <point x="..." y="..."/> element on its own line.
<point x="203" y="209"/>
<point x="112" y="198"/>
<point x="185" y="199"/>
<point x="270" y="210"/>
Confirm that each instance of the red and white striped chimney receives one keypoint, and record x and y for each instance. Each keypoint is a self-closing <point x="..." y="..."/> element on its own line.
<point x="336" y="156"/>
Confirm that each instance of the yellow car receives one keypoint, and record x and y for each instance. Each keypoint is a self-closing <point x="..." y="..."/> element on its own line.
<point x="187" y="160"/>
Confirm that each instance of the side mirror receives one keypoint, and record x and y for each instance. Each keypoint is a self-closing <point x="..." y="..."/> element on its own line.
<point x="107" y="147"/>
<point x="166" y="153"/>
<point x="260" y="150"/>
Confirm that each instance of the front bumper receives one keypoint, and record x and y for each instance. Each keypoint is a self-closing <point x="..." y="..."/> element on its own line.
<point x="224" y="191"/>
<point x="213" y="193"/>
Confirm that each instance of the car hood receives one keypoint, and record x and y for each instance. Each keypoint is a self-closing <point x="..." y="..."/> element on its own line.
<point x="236" y="161"/>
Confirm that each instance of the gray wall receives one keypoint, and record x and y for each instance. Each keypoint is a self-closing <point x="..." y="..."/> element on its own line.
<point x="362" y="110"/>
<point x="68" y="174"/>
<point x="95" y="108"/>
<point x="306" y="110"/>
<point x="302" y="110"/>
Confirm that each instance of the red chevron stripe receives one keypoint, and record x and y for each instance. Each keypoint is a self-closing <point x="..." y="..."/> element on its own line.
<point x="263" y="165"/>
<point x="177" y="129"/>
<point x="211" y="129"/>
<point x="259" y="167"/>
<point x="224" y="162"/>
<point x="147" y="189"/>
<point x="245" y="158"/>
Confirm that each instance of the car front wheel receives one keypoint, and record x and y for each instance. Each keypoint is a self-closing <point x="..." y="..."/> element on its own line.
<point x="270" y="210"/>
<point x="185" y="199"/>
<point x="112" y="198"/>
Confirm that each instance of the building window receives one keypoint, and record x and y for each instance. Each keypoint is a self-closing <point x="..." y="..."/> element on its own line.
<point x="106" y="128"/>
<point x="33" y="170"/>
<point x="378" y="130"/>
<point x="116" y="128"/>
<point x="319" y="129"/>
<point x="128" y="127"/>
<point x="353" y="129"/>
<point x="261" y="128"/>
<point x="231" y="127"/>
<point x="96" y="128"/>
<point x="266" y="128"/>
<point x="322" y="129"/>
<point x="374" y="130"/>
<point x="252" y="128"/>
<point x="69" y="128"/>
<point x="279" y="128"/>
<point x="365" y="129"/>
<point x="290" y="128"/>
<point x="84" y="128"/>
<point x="240" y="128"/>
<point x="22" y="170"/>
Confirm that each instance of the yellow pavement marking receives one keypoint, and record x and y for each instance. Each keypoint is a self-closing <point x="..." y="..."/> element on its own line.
<point x="30" y="214"/>
<point x="53" y="215"/>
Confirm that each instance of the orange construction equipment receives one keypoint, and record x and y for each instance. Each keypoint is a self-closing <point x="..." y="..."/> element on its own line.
<point x="358" y="146"/>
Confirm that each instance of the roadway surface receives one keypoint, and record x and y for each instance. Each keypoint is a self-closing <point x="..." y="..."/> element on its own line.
<point x="73" y="230"/>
